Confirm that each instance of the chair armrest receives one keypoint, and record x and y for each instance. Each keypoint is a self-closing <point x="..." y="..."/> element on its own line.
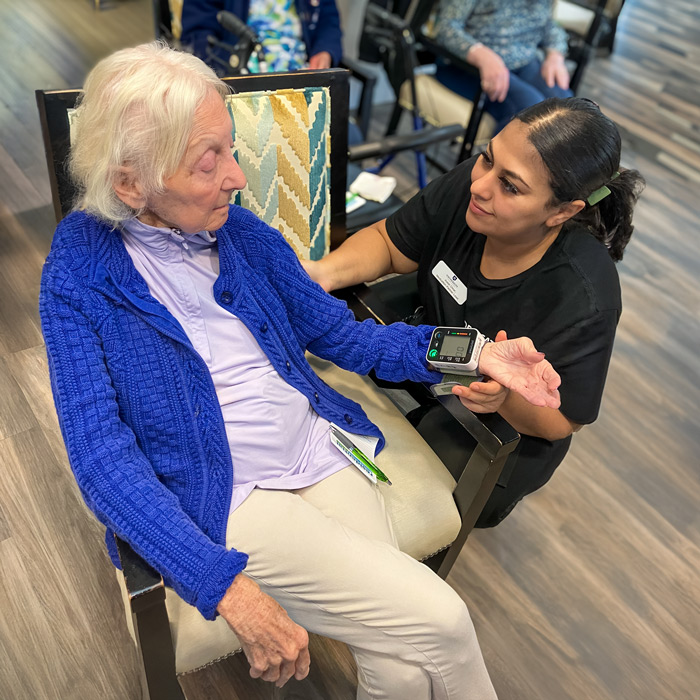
<point x="490" y="430"/>
<point x="496" y="440"/>
<point x="358" y="69"/>
<point x="151" y="626"/>
<point x="143" y="583"/>
<point x="415" y="140"/>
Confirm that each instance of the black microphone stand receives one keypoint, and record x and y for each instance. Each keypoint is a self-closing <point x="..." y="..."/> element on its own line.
<point x="239" y="53"/>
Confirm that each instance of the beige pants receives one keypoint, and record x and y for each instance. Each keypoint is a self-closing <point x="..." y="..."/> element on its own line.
<point x="328" y="555"/>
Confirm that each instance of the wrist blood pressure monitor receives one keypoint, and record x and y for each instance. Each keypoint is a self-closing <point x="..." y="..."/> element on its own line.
<point x="455" y="351"/>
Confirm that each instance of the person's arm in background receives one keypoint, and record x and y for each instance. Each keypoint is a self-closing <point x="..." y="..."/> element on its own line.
<point x="555" y="44"/>
<point x="198" y="22"/>
<point x="321" y="33"/>
<point x="364" y="257"/>
<point x="451" y="32"/>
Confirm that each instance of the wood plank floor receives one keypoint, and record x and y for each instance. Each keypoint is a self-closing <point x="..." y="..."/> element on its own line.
<point x="590" y="590"/>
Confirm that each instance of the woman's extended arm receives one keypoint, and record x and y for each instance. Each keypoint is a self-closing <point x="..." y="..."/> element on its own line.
<point x="547" y="423"/>
<point x="326" y="327"/>
<point x="365" y="256"/>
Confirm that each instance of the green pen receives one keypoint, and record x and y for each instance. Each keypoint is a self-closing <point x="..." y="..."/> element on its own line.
<point x="358" y="454"/>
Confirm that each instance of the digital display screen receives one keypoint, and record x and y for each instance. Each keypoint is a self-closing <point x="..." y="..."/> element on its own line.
<point x="455" y="346"/>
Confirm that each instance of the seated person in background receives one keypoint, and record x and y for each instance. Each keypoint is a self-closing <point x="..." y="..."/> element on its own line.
<point x="294" y="34"/>
<point x="502" y="38"/>
<point x="530" y="229"/>
<point x="175" y="327"/>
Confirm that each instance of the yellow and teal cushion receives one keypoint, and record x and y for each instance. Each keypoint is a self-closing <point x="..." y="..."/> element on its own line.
<point x="282" y="143"/>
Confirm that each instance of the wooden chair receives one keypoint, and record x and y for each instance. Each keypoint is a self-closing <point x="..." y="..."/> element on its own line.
<point x="431" y="511"/>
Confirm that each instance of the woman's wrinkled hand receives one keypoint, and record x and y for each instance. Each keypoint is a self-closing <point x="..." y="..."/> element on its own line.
<point x="517" y="365"/>
<point x="275" y="646"/>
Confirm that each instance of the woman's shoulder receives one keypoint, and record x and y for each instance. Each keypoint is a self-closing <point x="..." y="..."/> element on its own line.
<point x="589" y="261"/>
<point x="586" y="251"/>
<point x="76" y="238"/>
<point x="70" y="266"/>
<point x="72" y="230"/>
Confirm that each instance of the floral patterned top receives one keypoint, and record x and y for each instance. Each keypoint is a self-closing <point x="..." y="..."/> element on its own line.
<point x="277" y="24"/>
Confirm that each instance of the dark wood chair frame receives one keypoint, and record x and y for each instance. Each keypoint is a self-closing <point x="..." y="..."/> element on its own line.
<point x="582" y="47"/>
<point x="162" y="20"/>
<point x="495" y="437"/>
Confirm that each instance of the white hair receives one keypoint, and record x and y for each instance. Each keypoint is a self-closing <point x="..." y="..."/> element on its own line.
<point x="136" y="110"/>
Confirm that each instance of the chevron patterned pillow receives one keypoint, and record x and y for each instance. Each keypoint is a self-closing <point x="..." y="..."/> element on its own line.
<point x="282" y="143"/>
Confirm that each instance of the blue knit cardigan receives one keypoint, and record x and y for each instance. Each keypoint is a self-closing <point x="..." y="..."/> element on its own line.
<point x="136" y="403"/>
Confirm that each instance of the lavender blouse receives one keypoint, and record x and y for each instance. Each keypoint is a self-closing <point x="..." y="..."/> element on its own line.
<point x="277" y="440"/>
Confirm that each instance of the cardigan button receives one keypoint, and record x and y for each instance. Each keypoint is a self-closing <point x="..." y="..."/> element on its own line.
<point x="226" y="298"/>
<point x="317" y="398"/>
<point x="263" y="328"/>
<point x="348" y="418"/>
<point x="289" y="366"/>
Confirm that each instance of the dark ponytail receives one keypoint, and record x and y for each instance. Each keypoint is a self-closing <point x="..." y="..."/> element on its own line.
<point x="580" y="148"/>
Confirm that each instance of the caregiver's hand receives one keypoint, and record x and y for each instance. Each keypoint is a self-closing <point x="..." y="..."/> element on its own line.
<point x="517" y="365"/>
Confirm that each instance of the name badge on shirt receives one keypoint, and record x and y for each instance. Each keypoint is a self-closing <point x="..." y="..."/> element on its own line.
<point x="454" y="286"/>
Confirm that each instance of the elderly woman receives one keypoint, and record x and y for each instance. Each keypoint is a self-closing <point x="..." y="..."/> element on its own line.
<point x="176" y="326"/>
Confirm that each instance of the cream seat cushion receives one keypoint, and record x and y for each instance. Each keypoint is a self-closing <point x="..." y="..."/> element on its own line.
<point x="578" y="19"/>
<point x="440" y="106"/>
<point x="420" y="504"/>
<point x="573" y="17"/>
